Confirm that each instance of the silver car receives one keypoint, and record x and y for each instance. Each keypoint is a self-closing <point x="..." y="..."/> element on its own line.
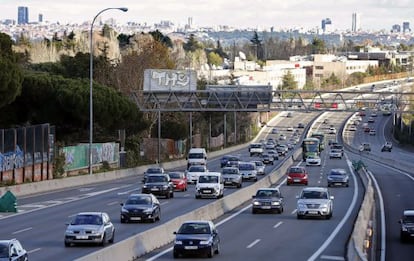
<point x="232" y="176"/>
<point x="314" y="202"/>
<point x="90" y="227"/>
<point x="248" y="170"/>
<point x="260" y="167"/>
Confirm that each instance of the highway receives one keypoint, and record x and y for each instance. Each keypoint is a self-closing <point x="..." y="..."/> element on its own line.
<point x="40" y="223"/>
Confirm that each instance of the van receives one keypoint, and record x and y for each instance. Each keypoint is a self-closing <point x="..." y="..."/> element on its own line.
<point x="196" y="156"/>
<point x="210" y="185"/>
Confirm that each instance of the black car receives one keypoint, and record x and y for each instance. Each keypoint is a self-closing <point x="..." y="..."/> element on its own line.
<point x="159" y="185"/>
<point x="267" y="200"/>
<point x="12" y="250"/>
<point x="224" y="160"/>
<point x="301" y="125"/>
<point x="267" y="159"/>
<point x="141" y="207"/>
<point x="152" y="170"/>
<point x="407" y="225"/>
<point x="198" y="237"/>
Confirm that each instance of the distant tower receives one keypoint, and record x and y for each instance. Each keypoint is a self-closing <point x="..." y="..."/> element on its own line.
<point x="325" y="23"/>
<point x="356" y="22"/>
<point x="190" y="22"/>
<point x="406" y="27"/>
<point x="40" y="18"/>
<point x="22" y="15"/>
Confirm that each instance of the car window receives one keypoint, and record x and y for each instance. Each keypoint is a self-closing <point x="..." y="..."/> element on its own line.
<point x="4" y="251"/>
<point x="138" y="201"/>
<point x="194" y="228"/>
<point x="87" y="220"/>
<point x="157" y="179"/>
<point x="408" y="219"/>
<point x="314" y="195"/>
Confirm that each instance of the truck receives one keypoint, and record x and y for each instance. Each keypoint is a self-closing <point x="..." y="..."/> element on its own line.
<point x="256" y="149"/>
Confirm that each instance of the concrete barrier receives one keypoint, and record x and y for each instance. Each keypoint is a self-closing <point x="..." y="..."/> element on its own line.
<point x="149" y="240"/>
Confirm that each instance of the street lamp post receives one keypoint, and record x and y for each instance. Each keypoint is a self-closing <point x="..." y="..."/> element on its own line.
<point x="123" y="9"/>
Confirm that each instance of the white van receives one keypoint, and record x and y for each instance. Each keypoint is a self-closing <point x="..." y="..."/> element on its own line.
<point x="210" y="185"/>
<point x="196" y="156"/>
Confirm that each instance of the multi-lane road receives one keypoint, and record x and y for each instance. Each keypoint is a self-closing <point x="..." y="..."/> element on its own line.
<point x="40" y="223"/>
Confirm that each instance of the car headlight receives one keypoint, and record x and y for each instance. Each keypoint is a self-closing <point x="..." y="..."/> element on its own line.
<point x="68" y="231"/>
<point x="178" y="242"/>
<point x="403" y="228"/>
<point x="276" y="203"/>
<point x="256" y="203"/>
<point x="205" y="242"/>
<point x="165" y="186"/>
<point x="144" y="186"/>
<point x="95" y="232"/>
<point x="124" y="210"/>
<point x="324" y="205"/>
<point x="301" y="205"/>
<point x="147" y="211"/>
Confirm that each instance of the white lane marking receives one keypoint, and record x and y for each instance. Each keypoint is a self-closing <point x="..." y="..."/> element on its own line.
<point x="278" y="224"/>
<point x="128" y="191"/>
<point x="343" y="220"/>
<point x="85" y="189"/>
<point x="31" y="206"/>
<point x="253" y="243"/>
<point x="22" y="230"/>
<point x="340" y="258"/>
<point x="164" y="203"/>
<point x="112" y="203"/>
<point x="294" y="211"/>
<point x="33" y="250"/>
<point x="53" y="202"/>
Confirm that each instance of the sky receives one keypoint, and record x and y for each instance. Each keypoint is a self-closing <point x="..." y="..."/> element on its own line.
<point x="375" y="14"/>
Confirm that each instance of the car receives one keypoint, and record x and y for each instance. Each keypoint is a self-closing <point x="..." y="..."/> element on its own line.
<point x="194" y="171"/>
<point x="282" y="149"/>
<point x="289" y="115"/>
<point x="301" y="125"/>
<point x="210" y="185"/>
<point x="267" y="200"/>
<point x="282" y="137"/>
<point x="314" y="202"/>
<point x="325" y="121"/>
<point x="335" y="153"/>
<point x="153" y="170"/>
<point x="274" y="154"/>
<point x="196" y="237"/>
<point x="260" y="167"/>
<point x="387" y="146"/>
<point x="256" y="149"/>
<point x="275" y="131"/>
<point x="313" y="160"/>
<point x="179" y="180"/>
<point x="352" y="128"/>
<point x="233" y="161"/>
<point x="140" y="208"/>
<point x="89" y="227"/>
<point x="248" y="170"/>
<point x="12" y="250"/>
<point x="297" y="175"/>
<point x="372" y="132"/>
<point x="267" y="159"/>
<point x="407" y="225"/>
<point x="374" y="114"/>
<point x="361" y="113"/>
<point x="371" y="120"/>
<point x="365" y="147"/>
<point x="159" y="185"/>
<point x="367" y="129"/>
<point x="224" y="159"/>
<point x="196" y="156"/>
<point x="270" y="146"/>
<point x="338" y="177"/>
<point x="290" y="128"/>
<point x="331" y="130"/>
<point x="232" y="176"/>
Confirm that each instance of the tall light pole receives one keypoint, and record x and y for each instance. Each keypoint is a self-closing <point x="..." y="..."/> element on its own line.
<point x="123" y="9"/>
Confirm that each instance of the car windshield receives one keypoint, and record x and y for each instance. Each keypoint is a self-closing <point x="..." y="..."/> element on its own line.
<point x="229" y="171"/>
<point x="194" y="228"/>
<point x="154" y="179"/>
<point x="138" y="201"/>
<point x="408" y="219"/>
<point x="296" y="170"/>
<point x="196" y="169"/>
<point x="314" y="195"/>
<point x="267" y="193"/>
<point x="175" y="175"/>
<point x="258" y="163"/>
<point x="208" y="179"/>
<point x="246" y="167"/>
<point x="154" y="170"/>
<point x="87" y="220"/>
<point x="4" y="251"/>
<point x="196" y="155"/>
<point x="336" y="173"/>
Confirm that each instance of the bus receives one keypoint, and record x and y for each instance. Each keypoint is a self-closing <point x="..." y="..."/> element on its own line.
<point x="321" y="138"/>
<point x="310" y="146"/>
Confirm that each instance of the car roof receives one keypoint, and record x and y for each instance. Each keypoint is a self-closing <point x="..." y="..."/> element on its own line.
<point x="272" y="189"/>
<point x="338" y="170"/>
<point x="211" y="173"/>
<point x="409" y="212"/>
<point x="198" y="221"/>
<point x="139" y="195"/>
<point x="314" y="189"/>
<point x="90" y="213"/>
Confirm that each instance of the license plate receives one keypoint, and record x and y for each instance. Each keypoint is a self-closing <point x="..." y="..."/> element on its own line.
<point x="296" y="180"/>
<point x="190" y="247"/>
<point x="135" y="218"/>
<point x="338" y="183"/>
<point x="81" y="237"/>
<point x="154" y="189"/>
<point x="313" y="212"/>
<point x="207" y="191"/>
<point x="265" y="207"/>
<point x="227" y="182"/>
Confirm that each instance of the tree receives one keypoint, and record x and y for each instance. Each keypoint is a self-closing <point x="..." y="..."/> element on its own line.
<point x="214" y="59"/>
<point x="192" y="44"/>
<point x="257" y="45"/>
<point x="10" y="73"/>
<point x="318" y="46"/>
<point x="158" y="36"/>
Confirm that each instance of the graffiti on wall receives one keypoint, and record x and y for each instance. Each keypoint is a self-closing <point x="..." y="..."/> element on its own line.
<point x="12" y="160"/>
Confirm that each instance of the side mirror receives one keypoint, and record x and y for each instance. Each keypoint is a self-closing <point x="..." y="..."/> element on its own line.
<point x="331" y="197"/>
<point x="254" y="196"/>
<point x="122" y="204"/>
<point x="175" y="232"/>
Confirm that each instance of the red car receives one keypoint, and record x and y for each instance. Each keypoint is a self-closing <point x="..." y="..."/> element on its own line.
<point x="179" y="180"/>
<point x="297" y="175"/>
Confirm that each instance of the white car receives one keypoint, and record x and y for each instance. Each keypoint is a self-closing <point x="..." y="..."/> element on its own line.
<point x="352" y="128"/>
<point x="335" y="153"/>
<point x="314" y="202"/>
<point x="332" y="130"/>
<point x="210" y="185"/>
<point x="313" y="160"/>
<point x="194" y="172"/>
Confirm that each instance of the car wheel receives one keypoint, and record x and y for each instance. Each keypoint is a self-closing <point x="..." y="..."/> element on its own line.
<point x="299" y="216"/>
<point x="240" y="185"/>
<point x="159" y="216"/>
<point x="197" y="197"/>
<point x="103" y="240"/>
<point x="112" y="238"/>
<point x="281" y="210"/>
<point x="67" y="244"/>
<point x="210" y="253"/>
<point x="217" y="249"/>
<point x="254" y="211"/>
<point x="172" y="194"/>
<point x="175" y="255"/>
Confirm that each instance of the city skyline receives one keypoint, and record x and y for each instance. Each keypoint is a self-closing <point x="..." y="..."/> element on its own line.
<point x="374" y="14"/>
